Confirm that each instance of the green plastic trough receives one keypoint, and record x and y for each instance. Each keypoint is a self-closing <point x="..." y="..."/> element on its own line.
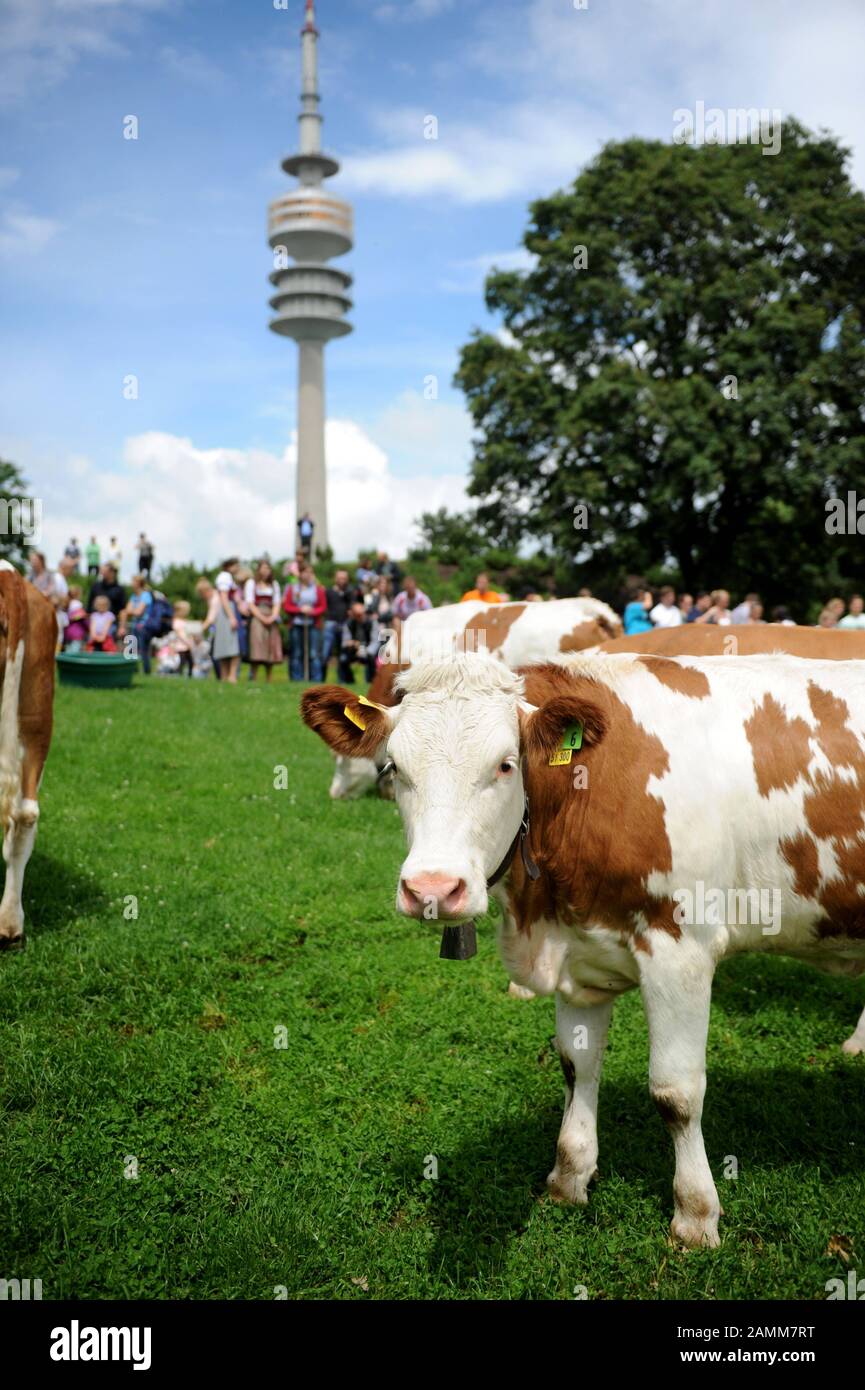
<point x="99" y="670"/>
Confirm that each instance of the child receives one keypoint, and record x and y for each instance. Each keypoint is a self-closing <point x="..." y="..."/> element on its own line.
<point x="101" y="626"/>
<point x="77" y="628"/>
<point x="182" y="639"/>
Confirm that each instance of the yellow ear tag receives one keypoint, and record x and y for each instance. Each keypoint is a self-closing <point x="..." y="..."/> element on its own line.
<point x="356" y="719"/>
<point x="371" y="703"/>
<point x="561" y="757"/>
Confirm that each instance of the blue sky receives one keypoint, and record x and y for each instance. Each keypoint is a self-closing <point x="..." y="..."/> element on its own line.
<point x="150" y="256"/>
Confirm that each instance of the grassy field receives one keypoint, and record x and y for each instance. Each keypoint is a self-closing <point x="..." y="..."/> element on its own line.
<point x="265" y="917"/>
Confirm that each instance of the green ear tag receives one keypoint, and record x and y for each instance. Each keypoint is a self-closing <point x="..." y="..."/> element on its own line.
<point x="573" y="736"/>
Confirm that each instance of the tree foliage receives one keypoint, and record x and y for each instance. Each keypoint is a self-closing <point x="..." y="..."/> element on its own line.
<point x="17" y="515"/>
<point x="612" y="385"/>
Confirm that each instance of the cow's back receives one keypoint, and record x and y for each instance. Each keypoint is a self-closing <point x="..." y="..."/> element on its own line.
<point x="744" y="639"/>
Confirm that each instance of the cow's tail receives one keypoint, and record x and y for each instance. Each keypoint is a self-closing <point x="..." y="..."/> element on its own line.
<point x="13" y="621"/>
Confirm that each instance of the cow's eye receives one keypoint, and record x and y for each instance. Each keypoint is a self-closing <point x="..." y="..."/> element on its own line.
<point x="505" y="768"/>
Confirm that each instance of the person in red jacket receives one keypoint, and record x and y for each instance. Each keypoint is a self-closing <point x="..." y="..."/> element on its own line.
<point x="305" y="602"/>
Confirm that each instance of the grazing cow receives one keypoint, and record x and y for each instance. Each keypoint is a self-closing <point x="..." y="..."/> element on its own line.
<point x="716" y="805"/>
<point x="28" y="639"/>
<point x="520" y="634"/>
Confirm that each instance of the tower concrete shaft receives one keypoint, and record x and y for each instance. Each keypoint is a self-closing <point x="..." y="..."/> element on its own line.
<point x="310" y="299"/>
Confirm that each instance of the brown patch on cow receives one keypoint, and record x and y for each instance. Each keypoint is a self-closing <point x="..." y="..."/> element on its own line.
<point x="800" y="852"/>
<point x="834" y="808"/>
<point x="322" y="710"/>
<point x="683" y="679"/>
<point x="495" y="622"/>
<point x="383" y="689"/>
<point x="640" y="942"/>
<point x="588" y="634"/>
<point x="780" y="747"/>
<point x="595" y="847"/>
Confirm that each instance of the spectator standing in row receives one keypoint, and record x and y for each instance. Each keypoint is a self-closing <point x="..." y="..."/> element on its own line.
<point x="636" y="617"/>
<point x="702" y="605"/>
<point x="340" y="596"/>
<point x="92" y="554"/>
<point x="77" y="630"/>
<point x="222" y="617"/>
<point x="855" y="618"/>
<point x="410" y="600"/>
<point x="40" y="575"/>
<point x="665" y="613"/>
<point x="138" y="618"/>
<point x="262" y="596"/>
<point x="182" y="638"/>
<point x="305" y="529"/>
<point x="145" y="555"/>
<point x="782" y="615"/>
<point x="742" y="612"/>
<point x="115" y="554"/>
<point x="390" y="569"/>
<point x="206" y="592"/>
<point x="358" y="644"/>
<point x="107" y="584"/>
<point x="718" y="611"/>
<point x="482" y="592"/>
<point x="686" y="603"/>
<point x="305" y="603"/>
<point x="73" y="553"/>
<point x="364" y="574"/>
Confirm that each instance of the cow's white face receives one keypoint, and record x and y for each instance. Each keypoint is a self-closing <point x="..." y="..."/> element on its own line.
<point x="459" y="788"/>
<point x="352" y="777"/>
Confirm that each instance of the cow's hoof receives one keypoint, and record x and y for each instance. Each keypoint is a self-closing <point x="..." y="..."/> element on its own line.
<point x="10" y="936"/>
<point x="853" y="1045"/>
<point x="520" y="991"/>
<point x="569" y="1184"/>
<point x="694" y="1234"/>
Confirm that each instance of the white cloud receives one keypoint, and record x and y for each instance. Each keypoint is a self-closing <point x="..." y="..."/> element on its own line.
<point x="572" y="79"/>
<point x="42" y="40"/>
<point x="408" y="10"/>
<point x="23" y="233"/>
<point x="202" y="504"/>
<point x="193" y="67"/>
<point x="473" y="272"/>
<point x="425" y="435"/>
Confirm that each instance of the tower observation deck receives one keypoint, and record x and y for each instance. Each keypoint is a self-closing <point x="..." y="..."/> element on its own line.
<point x="310" y="298"/>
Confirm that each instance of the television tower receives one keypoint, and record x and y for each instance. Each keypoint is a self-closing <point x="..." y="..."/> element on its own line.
<point x="310" y="301"/>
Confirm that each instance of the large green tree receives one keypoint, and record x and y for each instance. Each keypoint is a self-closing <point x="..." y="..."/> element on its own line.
<point x="611" y="385"/>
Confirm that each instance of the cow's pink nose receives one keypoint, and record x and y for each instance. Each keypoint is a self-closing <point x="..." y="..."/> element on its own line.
<point x="433" y="895"/>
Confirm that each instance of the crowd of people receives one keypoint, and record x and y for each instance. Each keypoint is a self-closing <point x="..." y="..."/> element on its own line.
<point x="645" y="610"/>
<point x="254" y="618"/>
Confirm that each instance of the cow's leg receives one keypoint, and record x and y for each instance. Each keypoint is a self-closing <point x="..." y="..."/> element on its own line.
<point x="520" y="991"/>
<point x="856" y="1041"/>
<point x="581" y="1036"/>
<point x="676" y="982"/>
<point x="18" y="841"/>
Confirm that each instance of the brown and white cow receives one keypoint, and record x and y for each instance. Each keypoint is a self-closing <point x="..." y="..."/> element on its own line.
<point x="520" y="634"/>
<point x="716" y="805"/>
<point x="28" y="639"/>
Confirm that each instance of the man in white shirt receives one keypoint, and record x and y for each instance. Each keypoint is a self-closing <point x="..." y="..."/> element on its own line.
<point x="855" y="616"/>
<point x="665" y="613"/>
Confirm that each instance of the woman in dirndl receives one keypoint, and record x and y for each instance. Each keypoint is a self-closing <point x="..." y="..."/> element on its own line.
<point x="262" y="599"/>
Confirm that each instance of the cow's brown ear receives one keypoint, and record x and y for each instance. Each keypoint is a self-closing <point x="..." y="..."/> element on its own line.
<point x="347" y="724"/>
<point x="545" y="729"/>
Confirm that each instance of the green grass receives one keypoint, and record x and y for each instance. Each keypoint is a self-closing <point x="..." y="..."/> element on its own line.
<point x="303" y="1166"/>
